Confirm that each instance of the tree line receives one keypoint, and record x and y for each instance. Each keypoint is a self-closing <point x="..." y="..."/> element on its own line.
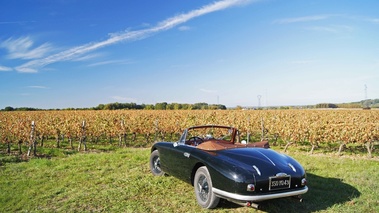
<point x="368" y="103"/>
<point x="134" y="106"/>
<point x="159" y="106"/>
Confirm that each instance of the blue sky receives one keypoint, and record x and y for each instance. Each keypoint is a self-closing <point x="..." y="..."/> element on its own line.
<point x="71" y="53"/>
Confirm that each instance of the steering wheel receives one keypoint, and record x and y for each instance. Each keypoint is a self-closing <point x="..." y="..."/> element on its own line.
<point x="197" y="140"/>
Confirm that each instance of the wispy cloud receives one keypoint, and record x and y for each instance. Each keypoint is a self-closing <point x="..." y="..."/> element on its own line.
<point x="110" y="62"/>
<point x="301" y="19"/>
<point x="23" y="48"/>
<point x="16" y="22"/>
<point x="4" y="69"/>
<point x="126" y="36"/>
<point x="331" y="28"/>
<point x="38" y="87"/>
<point x="373" y="20"/>
<point x="88" y="57"/>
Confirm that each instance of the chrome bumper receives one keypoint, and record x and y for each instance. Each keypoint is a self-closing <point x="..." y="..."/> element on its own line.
<point x="252" y="198"/>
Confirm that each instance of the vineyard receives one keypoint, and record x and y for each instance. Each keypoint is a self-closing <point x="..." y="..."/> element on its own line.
<point x="141" y="128"/>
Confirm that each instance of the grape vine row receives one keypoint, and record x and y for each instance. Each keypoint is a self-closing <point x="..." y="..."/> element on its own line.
<point x="315" y="127"/>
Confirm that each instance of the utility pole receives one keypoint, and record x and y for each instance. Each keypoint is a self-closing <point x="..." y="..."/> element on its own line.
<point x="366" y="102"/>
<point x="259" y="101"/>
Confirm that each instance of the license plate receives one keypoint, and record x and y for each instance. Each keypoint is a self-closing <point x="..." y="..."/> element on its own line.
<point x="283" y="182"/>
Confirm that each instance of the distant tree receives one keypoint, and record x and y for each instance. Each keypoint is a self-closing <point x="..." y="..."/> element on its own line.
<point x="176" y="106"/>
<point x="326" y="105"/>
<point x="8" y="108"/>
<point x="200" y="106"/>
<point x="100" y="107"/>
<point x="217" y="106"/>
<point x="161" y="106"/>
<point x="148" y="107"/>
<point x="108" y="107"/>
<point x="186" y="106"/>
<point x="170" y="106"/>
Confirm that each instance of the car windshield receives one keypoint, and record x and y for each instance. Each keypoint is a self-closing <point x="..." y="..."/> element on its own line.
<point x="209" y="132"/>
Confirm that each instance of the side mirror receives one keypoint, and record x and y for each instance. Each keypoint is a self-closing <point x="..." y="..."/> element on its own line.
<point x="175" y="144"/>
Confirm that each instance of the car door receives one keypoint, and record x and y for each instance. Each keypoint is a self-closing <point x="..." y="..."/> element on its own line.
<point x="178" y="161"/>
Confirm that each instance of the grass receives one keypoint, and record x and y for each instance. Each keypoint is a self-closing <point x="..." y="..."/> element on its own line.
<point x="119" y="180"/>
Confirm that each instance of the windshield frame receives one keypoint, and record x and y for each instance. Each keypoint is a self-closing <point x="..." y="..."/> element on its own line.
<point x="233" y="133"/>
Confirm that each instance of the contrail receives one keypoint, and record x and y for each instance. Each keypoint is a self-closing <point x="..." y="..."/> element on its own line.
<point x="34" y="65"/>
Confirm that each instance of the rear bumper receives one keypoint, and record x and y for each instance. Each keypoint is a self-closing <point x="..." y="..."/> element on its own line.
<point x="237" y="197"/>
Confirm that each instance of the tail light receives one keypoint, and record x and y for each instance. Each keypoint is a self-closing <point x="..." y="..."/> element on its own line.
<point x="303" y="182"/>
<point x="250" y="187"/>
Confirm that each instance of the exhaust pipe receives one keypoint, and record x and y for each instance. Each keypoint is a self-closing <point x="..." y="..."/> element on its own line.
<point x="299" y="198"/>
<point x="246" y="204"/>
<point x="253" y="205"/>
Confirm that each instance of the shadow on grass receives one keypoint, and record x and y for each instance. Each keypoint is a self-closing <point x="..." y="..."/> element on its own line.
<point x="9" y="159"/>
<point x="323" y="193"/>
<point x="48" y="151"/>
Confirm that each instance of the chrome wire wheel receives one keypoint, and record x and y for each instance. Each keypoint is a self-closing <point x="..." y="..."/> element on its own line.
<point x="155" y="164"/>
<point x="203" y="188"/>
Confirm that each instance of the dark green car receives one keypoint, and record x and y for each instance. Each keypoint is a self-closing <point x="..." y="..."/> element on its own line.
<point x="214" y="160"/>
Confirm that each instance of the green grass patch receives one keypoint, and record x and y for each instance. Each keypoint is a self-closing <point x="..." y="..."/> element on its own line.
<point x="120" y="181"/>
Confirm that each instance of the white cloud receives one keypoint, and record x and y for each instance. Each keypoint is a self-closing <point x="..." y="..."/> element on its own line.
<point x="4" y="68"/>
<point x="301" y="19"/>
<point x="332" y="28"/>
<point x="22" y="48"/>
<point x="76" y="52"/>
<point x="38" y="87"/>
<point x="88" y="57"/>
<point x="110" y="62"/>
<point x="26" y="70"/>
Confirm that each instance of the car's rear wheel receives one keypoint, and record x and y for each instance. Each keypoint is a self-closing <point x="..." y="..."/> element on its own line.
<point x="155" y="164"/>
<point x="203" y="189"/>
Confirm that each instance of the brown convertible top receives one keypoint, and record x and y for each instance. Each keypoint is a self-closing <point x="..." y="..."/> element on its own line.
<point x="215" y="145"/>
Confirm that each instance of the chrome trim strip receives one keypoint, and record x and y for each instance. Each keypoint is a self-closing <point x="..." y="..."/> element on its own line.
<point x="267" y="158"/>
<point x="233" y="196"/>
<point x="256" y="169"/>
<point x="292" y="167"/>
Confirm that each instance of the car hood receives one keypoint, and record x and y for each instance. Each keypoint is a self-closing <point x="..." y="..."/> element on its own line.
<point x="263" y="162"/>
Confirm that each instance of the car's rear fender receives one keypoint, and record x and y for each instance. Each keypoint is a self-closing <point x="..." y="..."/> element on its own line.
<point x="228" y="176"/>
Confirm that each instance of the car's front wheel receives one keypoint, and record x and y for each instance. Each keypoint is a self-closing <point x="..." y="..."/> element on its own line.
<point x="203" y="189"/>
<point x="155" y="164"/>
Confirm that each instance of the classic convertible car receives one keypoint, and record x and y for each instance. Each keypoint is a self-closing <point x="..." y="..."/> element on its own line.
<point x="219" y="165"/>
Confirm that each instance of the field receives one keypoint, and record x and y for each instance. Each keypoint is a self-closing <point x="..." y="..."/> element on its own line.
<point x="119" y="181"/>
<point x="109" y="171"/>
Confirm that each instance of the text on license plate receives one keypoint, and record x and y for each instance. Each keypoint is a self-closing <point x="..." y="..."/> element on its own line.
<point x="280" y="183"/>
